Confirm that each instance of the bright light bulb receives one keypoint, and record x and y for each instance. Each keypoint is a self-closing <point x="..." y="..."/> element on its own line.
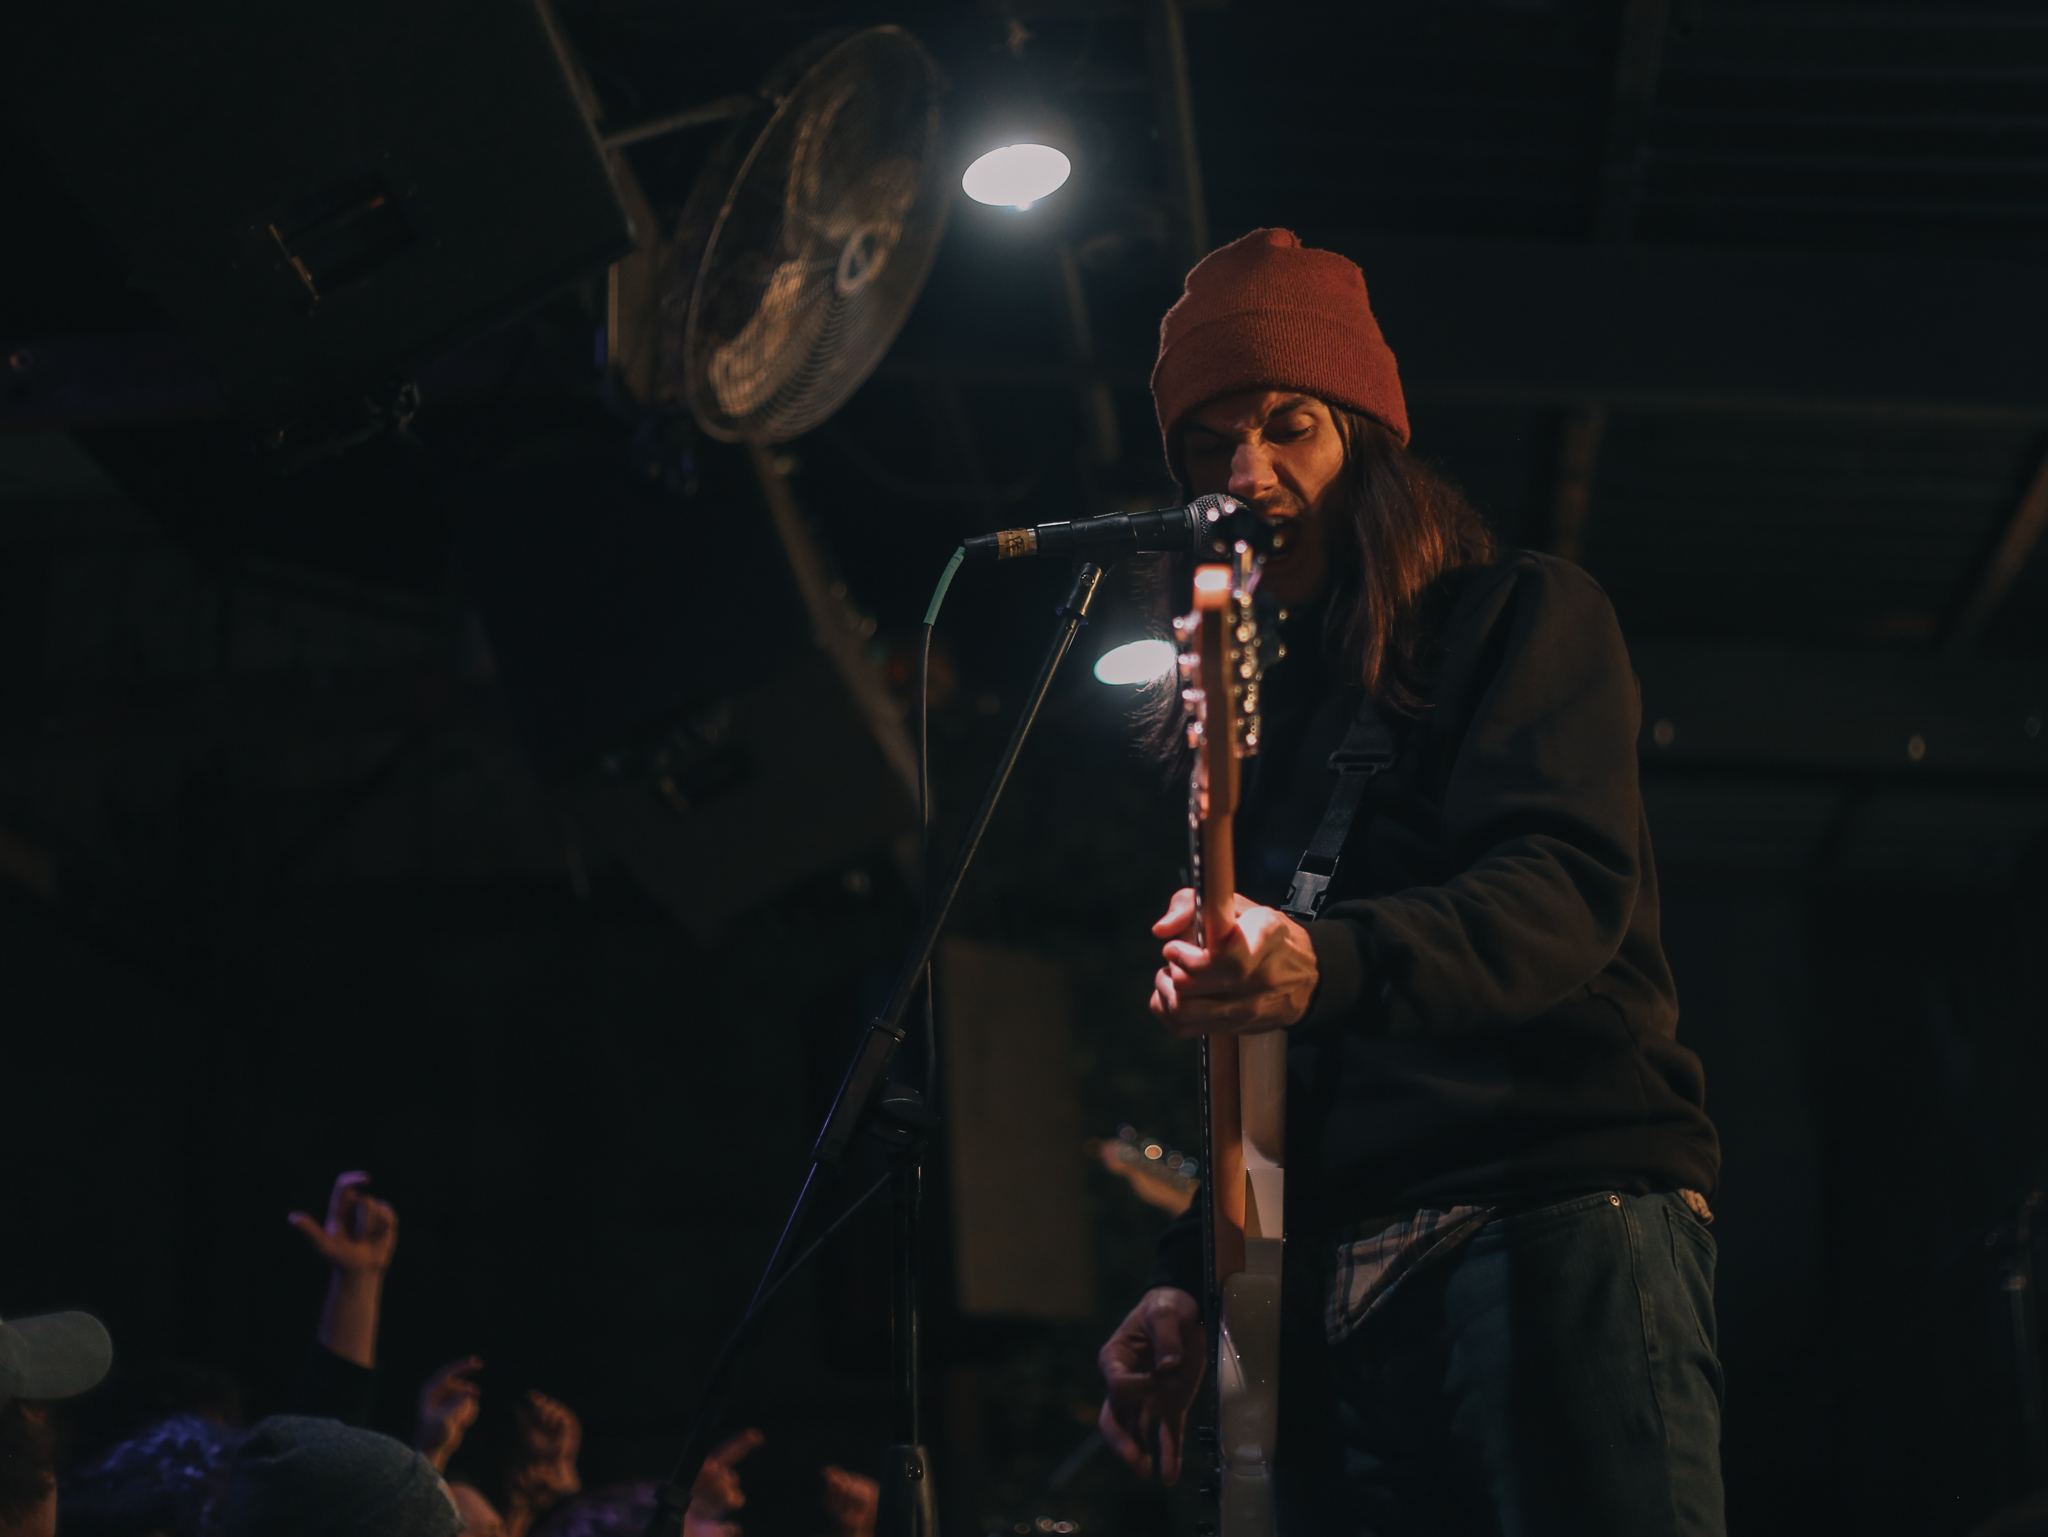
<point x="1017" y="175"/>
<point x="1142" y="661"/>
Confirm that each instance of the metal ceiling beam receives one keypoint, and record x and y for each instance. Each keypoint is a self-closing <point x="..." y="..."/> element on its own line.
<point x="1679" y="328"/>
<point x="1501" y="322"/>
<point x="1639" y="58"/>
<point x="1711" y="709"/>
<point x="1571" y="495"/>
<point x="1174" y="99"/>
<point x="2001" y="567"/>
<point x="724" y="109"/>
<point x="1101" y="435"/>
<point x="241" y="709"/>
<point x="1728" y="709"/>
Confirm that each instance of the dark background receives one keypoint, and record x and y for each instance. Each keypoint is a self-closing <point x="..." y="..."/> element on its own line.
<point x="1741" y="305"/>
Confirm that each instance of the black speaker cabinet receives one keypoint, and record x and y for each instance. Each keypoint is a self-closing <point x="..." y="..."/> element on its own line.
<point x="321" y="195"/>
<point x="686" y="673"/>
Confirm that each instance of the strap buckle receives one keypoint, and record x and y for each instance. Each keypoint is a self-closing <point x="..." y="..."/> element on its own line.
<point x="1305" y="896"/>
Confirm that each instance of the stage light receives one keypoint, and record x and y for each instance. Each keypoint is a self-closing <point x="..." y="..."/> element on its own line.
<point x="1017" y="175"/>
<point x="1142" y="661"/>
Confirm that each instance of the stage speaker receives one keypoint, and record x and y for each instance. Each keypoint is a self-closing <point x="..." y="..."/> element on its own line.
<point x="1023" y="1243"/>
<point x="321" y="196"/>
<point x="686" y="673"/>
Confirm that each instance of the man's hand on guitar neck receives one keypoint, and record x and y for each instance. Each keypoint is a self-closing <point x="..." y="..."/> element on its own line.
<point x="1153" y="1364"/>
<point x="1262" y="977"/>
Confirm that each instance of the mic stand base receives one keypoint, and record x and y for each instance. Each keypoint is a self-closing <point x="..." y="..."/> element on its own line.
<point x="909" y="1505"/>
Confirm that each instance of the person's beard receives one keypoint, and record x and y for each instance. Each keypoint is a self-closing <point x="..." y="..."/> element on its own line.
<point x="1285" y="509"/>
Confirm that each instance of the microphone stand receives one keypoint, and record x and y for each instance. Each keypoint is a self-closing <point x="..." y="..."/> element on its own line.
<point x="900" y="1118"/>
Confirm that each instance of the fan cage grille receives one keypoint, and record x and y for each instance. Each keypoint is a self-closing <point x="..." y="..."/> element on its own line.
<point x="820" y="245"/>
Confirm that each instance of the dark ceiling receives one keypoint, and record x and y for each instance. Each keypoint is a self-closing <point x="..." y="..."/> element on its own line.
<point x="1738" y="304"/>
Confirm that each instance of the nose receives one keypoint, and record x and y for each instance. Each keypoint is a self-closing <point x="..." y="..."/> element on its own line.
<point x="1251" y="471"/>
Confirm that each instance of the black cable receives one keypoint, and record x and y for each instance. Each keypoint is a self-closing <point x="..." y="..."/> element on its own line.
<point x="818" y="1243"/>
<point x="924" y="814"/>
<point x="712" y="1400"/>
<point x="796" y="1215"/>
<point x="924" y="851"/>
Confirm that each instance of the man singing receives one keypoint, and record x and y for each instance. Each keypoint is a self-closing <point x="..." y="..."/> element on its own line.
<point x="1499" y="1283"/>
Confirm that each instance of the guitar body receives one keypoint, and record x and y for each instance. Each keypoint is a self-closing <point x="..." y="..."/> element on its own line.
<point x="1248" y="1341"/>
<point x="1244" y="1078"/>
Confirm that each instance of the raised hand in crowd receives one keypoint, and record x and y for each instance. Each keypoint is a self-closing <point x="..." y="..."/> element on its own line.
<point x="447" y="1408"/>
<point x="358" y="1240"/>
<point x="479" y="1517"/>
<point x="1153" y="1364"/>
<point x="543" y="1473"/>
<point x="852" y="1501"/>
<point x="716" y="1494"/>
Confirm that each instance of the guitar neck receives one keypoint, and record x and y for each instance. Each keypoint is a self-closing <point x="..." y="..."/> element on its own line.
<point x="1218" y="888"/>
<point x="1244" y="1078"/>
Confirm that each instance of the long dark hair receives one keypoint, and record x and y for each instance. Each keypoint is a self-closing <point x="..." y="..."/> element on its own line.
<point x="1401" y="528"/>
<point x="1398" y="529"/>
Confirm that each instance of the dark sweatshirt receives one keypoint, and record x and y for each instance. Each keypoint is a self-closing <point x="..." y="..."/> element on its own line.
<point x="1495" y="1020"/>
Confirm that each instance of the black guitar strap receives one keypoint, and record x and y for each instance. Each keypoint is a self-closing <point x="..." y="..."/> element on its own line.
<point x="1367" y="749"/>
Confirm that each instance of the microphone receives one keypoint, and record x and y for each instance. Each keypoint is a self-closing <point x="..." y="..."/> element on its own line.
<point x="1209" y="525"/>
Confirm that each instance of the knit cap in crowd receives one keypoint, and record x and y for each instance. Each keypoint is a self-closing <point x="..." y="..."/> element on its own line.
<point x="1268" y="313"/>
<point x="302" y="1477"/>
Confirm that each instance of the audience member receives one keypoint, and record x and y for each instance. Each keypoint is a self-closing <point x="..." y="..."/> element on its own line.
<point x="317" y="1472"/>
<point x="852" y="1501"/>
<point x="358" y="1240"/>
<point x="617" y="1510"/>
<point x="42" y="1359"/>
<point x="478" y="1518"/>
<point x="171" y="1476"/>
<point x="168" y="1479"/>
<point x="522" y="1460"/>
<point x="296" y="1476"/>
<point x="140" y="1394"/>
<point x="447" y="1408"/>
<point x="623" y="1510"/>
<point x="716" y="1495"/>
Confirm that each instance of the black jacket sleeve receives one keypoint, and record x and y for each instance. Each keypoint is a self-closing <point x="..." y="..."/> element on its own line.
<point x="1533" y="728"/>
<point x="333" y="1389"/>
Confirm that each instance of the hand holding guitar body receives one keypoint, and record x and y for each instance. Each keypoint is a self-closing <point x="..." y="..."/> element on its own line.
<point x="1261" y="978"/>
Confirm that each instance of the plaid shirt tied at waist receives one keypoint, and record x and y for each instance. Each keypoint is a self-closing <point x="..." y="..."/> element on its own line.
<point x="1383" y="1253"/>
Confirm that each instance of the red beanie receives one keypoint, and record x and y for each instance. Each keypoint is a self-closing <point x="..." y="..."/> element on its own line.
<point x="1265" y="313"/>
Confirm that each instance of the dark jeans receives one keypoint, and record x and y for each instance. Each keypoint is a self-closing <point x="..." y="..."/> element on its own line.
<point x="1555" y="1375"/>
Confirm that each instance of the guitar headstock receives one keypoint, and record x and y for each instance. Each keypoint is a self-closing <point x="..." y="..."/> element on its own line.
<point x="1222" y="659"/>
<point x="1220" y="666"/>
<point x="1161" y="1175"/>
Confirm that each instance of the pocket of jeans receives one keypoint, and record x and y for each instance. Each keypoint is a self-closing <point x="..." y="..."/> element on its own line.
<point x="1693" y="1256"/>
<point x="1689" y="1230"/>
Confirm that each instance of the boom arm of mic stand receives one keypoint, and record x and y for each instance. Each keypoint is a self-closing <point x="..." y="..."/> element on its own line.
<point x="885" y="1034"/>
<point x="871" y="1059"/>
